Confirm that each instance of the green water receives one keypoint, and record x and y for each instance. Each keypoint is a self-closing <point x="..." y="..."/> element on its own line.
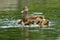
<point x="50" y="9"/>
<point x="11" y="34"/>
<point x="18" y="34"/>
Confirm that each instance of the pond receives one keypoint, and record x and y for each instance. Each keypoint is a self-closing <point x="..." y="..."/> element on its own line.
<point x="13" y="31"/>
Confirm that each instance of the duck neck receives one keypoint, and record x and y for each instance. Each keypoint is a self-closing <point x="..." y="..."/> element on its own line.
<point x="25" y="14"/>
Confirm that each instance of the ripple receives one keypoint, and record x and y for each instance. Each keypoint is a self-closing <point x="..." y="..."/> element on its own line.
<point x="6" y="23"/>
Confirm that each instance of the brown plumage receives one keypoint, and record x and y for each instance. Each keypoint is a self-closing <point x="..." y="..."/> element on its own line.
<point x="38" y="19"/>
<point x="44" y="22"/>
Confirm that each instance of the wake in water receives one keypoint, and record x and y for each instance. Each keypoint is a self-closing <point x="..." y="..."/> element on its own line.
<point x="14" y="23"/>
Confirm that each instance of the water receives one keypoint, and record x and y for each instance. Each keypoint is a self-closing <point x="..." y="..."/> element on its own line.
<point x="7" y="23"/>
<point x="8" y="26"/>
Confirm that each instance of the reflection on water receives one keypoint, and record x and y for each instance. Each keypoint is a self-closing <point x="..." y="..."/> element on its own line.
<point x="58" y="38"/>
<point x="44" y="34"/>
<point x="6" y="23"/>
